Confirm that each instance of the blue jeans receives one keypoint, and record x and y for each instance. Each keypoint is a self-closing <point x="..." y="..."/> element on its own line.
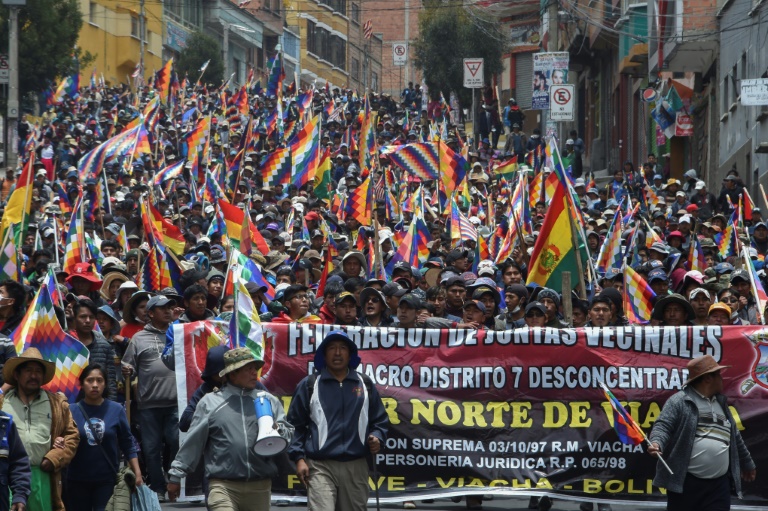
<point x="84" y="496"/>
<point x="158" y="425"/>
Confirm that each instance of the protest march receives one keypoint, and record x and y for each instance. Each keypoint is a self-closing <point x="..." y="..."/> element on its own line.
<point x="499" y="322"/>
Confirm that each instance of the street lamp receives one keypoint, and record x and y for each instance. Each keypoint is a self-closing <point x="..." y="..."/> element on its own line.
<point x="13" y="80"/>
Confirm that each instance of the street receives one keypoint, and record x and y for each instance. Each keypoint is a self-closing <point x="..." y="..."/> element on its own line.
<point x="497" y="504"/>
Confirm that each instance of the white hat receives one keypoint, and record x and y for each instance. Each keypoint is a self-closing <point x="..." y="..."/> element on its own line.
<point x="680" y="194"/>
<point x="474" y="220"/>
<point x="700" y="185"/>
<point x="41" y="172"/>
<point x="684" y="219"/>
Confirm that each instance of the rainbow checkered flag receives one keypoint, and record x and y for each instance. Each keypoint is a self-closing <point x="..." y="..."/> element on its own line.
<point x="41" y="329"/>
<point x="626" y="427"/>
<point x="638" y="297"/>
<point x="9" y="257"/>
<point x="245" y="326"/>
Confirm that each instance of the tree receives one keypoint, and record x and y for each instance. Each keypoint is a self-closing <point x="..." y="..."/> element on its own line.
<point x="200" y="49"/>
<point x="48" y="32"/>
<point x="449" y="33"/>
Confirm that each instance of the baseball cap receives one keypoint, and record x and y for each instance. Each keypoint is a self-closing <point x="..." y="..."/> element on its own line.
<point x="698" y="291"/>
<point x="740" y="275"/>
<point x="346" y="295"/>
<point x="159" y="301"/>
<point x="657" y="274"/>
<point x="475" y="303"/>
<point x="411" y="301"/>
<point x="393" y="289"/>
<point x="719" y="306"/>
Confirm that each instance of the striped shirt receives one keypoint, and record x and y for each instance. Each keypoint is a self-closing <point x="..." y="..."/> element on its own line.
<point x="709" y="456"/>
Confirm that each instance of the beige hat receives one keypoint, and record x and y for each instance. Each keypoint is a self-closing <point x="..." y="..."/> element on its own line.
<point x="237" y="358"/>
<point x="30" y="354"/>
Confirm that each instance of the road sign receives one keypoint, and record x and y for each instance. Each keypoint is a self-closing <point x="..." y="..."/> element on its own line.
<point x="5" y="71"/>
<point x="400" y="53"/>
<point x="473" y="73"/>
<point x="561" y="102"/>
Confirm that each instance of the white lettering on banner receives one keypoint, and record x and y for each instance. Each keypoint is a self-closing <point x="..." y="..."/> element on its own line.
<point x="624" y="377"/>
<point x="473" y="377"/>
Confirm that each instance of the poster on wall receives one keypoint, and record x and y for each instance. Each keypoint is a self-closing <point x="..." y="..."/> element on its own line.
<point x="548" y="69"/>
<point x="524" y="37"/>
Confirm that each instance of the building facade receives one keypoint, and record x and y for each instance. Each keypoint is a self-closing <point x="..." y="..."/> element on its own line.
<point x="743" y="144"/>
<point x="113" y="35"/>
<point x="332" y="49"/>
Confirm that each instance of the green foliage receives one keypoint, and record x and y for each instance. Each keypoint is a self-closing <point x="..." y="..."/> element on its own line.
<point x="48" y="32"/>
<point x="200" y="49"/>
<point x="449" y="33"/>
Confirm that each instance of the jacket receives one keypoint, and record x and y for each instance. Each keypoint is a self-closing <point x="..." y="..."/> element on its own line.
<point x="675" y="430"/>
<point x="334" y="419"/>
<point x="185" y="421"/>
<point x="102" y="353"/>
<point x="157" y="383"/>
<point x="224" y="431"/>
<point x="121" y="495"/>
<point x="62" y="425"/>
<point x="15" y="472"/>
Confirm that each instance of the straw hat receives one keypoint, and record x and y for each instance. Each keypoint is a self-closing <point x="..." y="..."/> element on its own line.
<point x="30" y="354"/>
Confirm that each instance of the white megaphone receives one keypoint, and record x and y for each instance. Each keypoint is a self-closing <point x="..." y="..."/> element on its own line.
<point x="269" y="441"/>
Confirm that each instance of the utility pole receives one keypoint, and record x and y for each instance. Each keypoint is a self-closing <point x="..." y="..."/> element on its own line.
<point x="11" y="157"/>
<point x="554" y="36"/>
<point x="142" y="32"/>
<point x="225" y="49"/>
<point x="407" y="36"/>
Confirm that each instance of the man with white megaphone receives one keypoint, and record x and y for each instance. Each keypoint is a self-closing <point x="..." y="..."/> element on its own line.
<point x="237" y="430"/>
<point x="339" y="419"/>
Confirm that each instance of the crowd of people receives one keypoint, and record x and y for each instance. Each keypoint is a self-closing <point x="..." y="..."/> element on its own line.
<point x="320" y="267"/>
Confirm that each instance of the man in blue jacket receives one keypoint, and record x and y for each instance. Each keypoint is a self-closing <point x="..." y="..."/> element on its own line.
<point x="15" y="473"/>
<point x="332" y="436"/>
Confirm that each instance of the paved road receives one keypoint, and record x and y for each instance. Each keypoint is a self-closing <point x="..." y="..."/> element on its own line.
<point x="497" y="504"/>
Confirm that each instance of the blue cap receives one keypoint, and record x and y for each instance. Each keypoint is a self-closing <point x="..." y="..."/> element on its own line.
<point x="657" y="274"/>
<point x="721" y="268"/>
<point x="336" y="335"/>
<point x="657" y="176"/>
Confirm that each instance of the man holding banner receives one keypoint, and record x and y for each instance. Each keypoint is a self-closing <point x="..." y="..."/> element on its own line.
<point x="705" y="450"/>
<point x="339" y="418"/>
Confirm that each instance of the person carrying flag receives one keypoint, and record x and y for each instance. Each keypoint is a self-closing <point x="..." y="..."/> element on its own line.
<point x="698" y="435"/>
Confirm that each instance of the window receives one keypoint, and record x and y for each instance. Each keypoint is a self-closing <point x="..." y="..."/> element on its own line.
<point x="354" y="9"/>
<point x="238" y="68"/>
<point x="93" y="10"/>
<point x="374" y="80"/>
<point x="135" y="26"/>
<point x="311" y="29"/>
<point x="339" y="6"/>
<point x="354" y="68"/>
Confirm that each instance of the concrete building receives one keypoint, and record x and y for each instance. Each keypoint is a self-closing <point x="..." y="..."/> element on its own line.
<point x="111" y="33"/>
<point x="331" y="45"/>
<point x="743" y="140"/>
<point x="398" y="22"/>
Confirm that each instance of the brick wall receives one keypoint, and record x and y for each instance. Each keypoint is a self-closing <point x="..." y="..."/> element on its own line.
<point x="389" y="20"/>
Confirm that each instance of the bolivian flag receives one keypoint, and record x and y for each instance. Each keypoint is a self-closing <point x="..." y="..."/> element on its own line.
<point x="233" y="217"/>
<point x="554" y="252"/>
<point x="19" y="204"/>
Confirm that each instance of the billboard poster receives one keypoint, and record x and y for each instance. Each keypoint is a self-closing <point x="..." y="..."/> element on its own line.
<point x="548" y="69"/>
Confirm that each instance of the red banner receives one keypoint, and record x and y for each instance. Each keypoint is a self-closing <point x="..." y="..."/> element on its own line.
<point x="512" y="412"/>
